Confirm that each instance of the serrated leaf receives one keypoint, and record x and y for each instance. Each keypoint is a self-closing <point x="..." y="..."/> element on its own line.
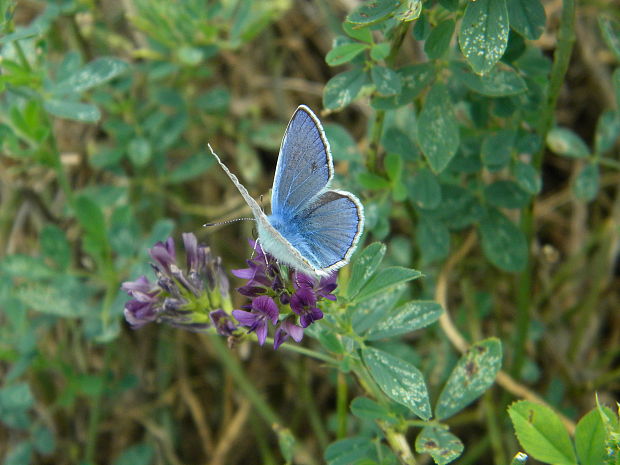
<point x="527" y="17"/>
<point x="587" y="182"/>
<point x="473" y="374"/>
<point x="95" y="73"/>
<point x="501" y="81"/>
<point x="527" y="177"/>
<point x="343" y="88"/>
<point x="438" y="131"/>
<point x="367" y="409"/>
<point x="438" y="41"/>
<point x="344" y="53"/>
<point x="78" y="111"/>
<point x="505" y="194"/>
<point x="590" y="438"/>
<point x="386" y="279"/>
<point x="399" y="380"/>
<point x="373" y="11"/>
<point x="541" y="433"/>
<point x="443" y="446"/>
<point x="409" y="317"/>
<point x="483" y="36"/>
<point x="386" y="81"/>
<point x="565" y="142"/>
<point x="503" y="243"/>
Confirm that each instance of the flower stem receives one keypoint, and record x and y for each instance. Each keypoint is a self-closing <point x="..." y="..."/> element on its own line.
<point x="342" y="405"/>
<point x="561" y="59"/>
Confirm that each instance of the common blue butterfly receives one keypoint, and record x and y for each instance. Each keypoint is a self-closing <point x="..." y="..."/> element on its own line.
<point x="311" y="228"/>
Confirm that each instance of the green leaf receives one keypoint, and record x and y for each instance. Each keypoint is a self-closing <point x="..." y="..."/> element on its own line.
<point x="385" y="80"/>
<point x="344" y="147"/>
<point x="191" y="168"/>
<point x="422" y="28"/>
<point x="505" y="194"/>
<point x="25" y="266"/>
<point x="615" y="77"/>
<point x="43" y="440"/>
<point x="541" y="433"/>
<point x="91" y="218"/>
<point x="607" y="131"/>
<point x="610" y="29"/>
<point x="363" y="266"/>
<point x="483" y="36"/>
<point x="590" y="438"/>
<point x="379" y="51"/>
<point x="393" y="164"/>
<point x="78" y="111"/>
<point x="409" y="317"/>
<point x="501" y="81"/>
<point x="440" y="443"/>
<point x="54" y="245"/>
<point x="438" y="131"/>
<point x="373" y="11"/>
<point x="587" y="182"/>
<point x="363" y="34"/>
<point x="473" y="374"/>
<point x="95" y="73"/>
<point x="342" y="54"/>
<point x="348" y="451"/>
<point x="367" y="313"/>
<point x="386" y="279"/>
<point x="503" y="243"/>
<point x="16" y="397"/>
<point x="527" y="177"/>
<point x="139" y="151"/>
<point x="497" y="148"/>
<point x="433" y="239"/>
<point x="396" y="141"/>
<point x="399" y="380"/>
<point x="372" y="181"/>
<point x="424" y="189"/>
<point x="367" y="409"/>
<point x="19" y="454"/>
<point x="343" y="88"/>
<point x="138" y="454"/>
<point x="413" y="80"/>
<point x="565" y="142"/>
<point x="64" y="296"/>
<point x="409" y="10"/>
<point x="439" y="39"/>
<point x="527" y="17"/>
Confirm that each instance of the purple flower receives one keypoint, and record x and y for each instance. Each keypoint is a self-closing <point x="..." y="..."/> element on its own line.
<point x="223" y="322"/>
<point x="263" y="310"/>
<point x="303" y="303"/>
<point x="287" y="328"/>
<point x="182" y="296"/>
<point x="322" y="288"/>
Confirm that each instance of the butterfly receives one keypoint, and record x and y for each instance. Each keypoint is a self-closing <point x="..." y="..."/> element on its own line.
<point x="312" y="228"/>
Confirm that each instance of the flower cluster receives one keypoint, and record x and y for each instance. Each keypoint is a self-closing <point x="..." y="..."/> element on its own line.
<point x="269" y="284"/>
<point x="189" y="298"/>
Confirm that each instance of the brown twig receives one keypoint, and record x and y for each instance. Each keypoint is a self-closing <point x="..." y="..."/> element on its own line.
<point x="461" y="344"/>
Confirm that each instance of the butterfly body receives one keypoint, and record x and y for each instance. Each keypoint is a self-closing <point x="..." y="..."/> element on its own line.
<point x="312" y="228"/>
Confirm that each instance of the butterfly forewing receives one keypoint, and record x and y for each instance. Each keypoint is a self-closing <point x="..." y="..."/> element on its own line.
<point x="304" y="166"/>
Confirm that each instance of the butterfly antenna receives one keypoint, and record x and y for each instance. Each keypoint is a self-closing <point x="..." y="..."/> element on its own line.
<point x="219" y="223"/>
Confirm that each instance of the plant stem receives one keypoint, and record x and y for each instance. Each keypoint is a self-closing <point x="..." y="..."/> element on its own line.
<point x="561" y="59"/>
<point x="233" y="367"/>
<point x="95" y="412"/>
<point x="342" y="405"/>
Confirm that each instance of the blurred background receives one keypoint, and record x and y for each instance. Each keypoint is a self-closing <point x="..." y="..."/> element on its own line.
<point x="106" y="111"/>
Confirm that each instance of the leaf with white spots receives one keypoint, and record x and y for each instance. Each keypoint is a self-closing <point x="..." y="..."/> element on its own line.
<point x="438" y="131"/>
<point x="399" y="380"/>
<point x="343" y="88"/>
<point x="363" y="265"/>
<point x="503" y="243"/>
<point x="77" y="111"/>
<point x="440" y="443"/>
<point x="484" y="33"/>
<point x="95" y="73"/>
<point x="409" y="317"/>
<point x="473" y="374"/>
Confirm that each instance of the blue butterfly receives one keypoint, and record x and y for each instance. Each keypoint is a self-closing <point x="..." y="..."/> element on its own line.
<point x="311" y="228"/>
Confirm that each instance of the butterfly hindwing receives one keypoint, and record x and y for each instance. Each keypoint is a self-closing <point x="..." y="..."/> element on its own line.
<point x="304" y="166"/>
